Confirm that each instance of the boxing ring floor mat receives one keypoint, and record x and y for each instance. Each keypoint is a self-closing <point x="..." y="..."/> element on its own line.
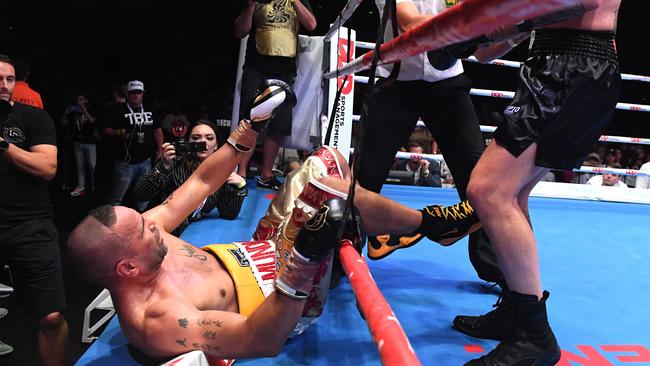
<point x="593" y="258"/>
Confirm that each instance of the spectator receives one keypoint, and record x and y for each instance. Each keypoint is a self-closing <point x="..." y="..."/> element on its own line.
<point x="608" y="179"/>
<point x="422" y="136"/>
<point x="592" y="159"/>
<point x="445" y="175"/>
<point x="271" y="53"/>
<point x="426" y="173"/>
<point x="643" y="181"/>
<point x="118" y="96"/>
<point x="601" y="150"/>
<point x="638" y="157"/>
<point x="81" y="123"/>
<point x="135" y="134"/>
<point x="22" y="92"/>
<point x="173" y="169"/>
<point x="27" y="232"/>
<point x="612" y="156"/>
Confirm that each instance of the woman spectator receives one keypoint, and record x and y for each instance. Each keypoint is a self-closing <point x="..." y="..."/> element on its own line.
<point x="177" y="164"/>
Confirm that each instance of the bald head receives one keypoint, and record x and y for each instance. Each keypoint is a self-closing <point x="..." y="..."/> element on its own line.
<point x="95" y="245"/>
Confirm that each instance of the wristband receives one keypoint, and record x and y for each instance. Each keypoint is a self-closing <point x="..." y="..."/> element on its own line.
<point x="241" y="184"/>
<point x="296" y="276"/>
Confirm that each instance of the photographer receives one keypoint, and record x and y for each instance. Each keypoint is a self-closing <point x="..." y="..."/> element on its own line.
<point x="80" y="123"/>
<point x="177" y="163"/>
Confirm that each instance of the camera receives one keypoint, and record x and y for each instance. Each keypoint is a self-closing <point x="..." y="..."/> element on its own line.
<point x="74" y="108"/>
<point x="183" y="147"/>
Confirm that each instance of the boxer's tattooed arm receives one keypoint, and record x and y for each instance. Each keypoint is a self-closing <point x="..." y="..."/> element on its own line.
<point x="190" y="251"/>
<point x="207" y="322"/>
<point x="168" y="199"/>
<point x="207" y="347"/>
<point x="209" y="335"/>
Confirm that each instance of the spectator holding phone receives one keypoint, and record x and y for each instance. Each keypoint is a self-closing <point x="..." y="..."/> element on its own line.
<point x="177" y="163"/>
<point x="426" y="173"/>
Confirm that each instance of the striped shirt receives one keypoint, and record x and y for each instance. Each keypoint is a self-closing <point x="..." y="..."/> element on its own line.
<point x="159" y="183"/>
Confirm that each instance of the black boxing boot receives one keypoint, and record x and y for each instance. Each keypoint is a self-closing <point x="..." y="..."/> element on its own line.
<point x="270" y="96"/>
<point x="531" y="341"/>
<point x="495" y="324"/>
<point x="314" y="242"/>
<point x="444" y="225"/>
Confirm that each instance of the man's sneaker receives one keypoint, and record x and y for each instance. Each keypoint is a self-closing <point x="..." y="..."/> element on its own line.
<point x="443" y="224"/>
<point x="79" y="191"/>
<point x="268" y="183"/>
<point x="531" y="341"/>
<point x="496" y="324"/>
<point x="5" y="349"/>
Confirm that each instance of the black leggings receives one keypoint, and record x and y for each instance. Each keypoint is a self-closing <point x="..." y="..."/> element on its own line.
<point x="448" y="112"/>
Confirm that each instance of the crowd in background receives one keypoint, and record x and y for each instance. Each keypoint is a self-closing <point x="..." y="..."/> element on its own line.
<point x="85" y="162"/>
<point x="77" y="167"/>
<point x="604" y="155"/>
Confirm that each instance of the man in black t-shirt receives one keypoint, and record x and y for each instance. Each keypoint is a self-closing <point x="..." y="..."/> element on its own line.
<point x="28" y="237"/>
<point x="135" y="134"/>
<point x="271" y="52"/>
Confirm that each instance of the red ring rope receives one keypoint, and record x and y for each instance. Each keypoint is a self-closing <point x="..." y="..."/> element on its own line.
<point x="394" y="347"/>
<point x="464" y="21"/>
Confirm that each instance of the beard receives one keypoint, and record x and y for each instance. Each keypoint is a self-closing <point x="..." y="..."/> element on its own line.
<point x="161" y="252"/>
<point x="154" y="260"/>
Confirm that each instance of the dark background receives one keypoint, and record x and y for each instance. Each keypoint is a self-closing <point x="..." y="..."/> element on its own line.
<point x="188" y="49"/>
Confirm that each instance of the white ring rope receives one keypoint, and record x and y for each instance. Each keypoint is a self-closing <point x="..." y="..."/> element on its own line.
<point x="604" y="138"/>
<point x="513" y="64"/>
<point x="346" y="13"/>
<point x="582" y="169"/>
<point x="509" y="95"/>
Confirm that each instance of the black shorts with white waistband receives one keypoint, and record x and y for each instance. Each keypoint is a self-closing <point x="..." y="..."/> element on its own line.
<point x="251" y="81"/>
<point x="31" y="249"/>
<point x="566" y="96"/>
